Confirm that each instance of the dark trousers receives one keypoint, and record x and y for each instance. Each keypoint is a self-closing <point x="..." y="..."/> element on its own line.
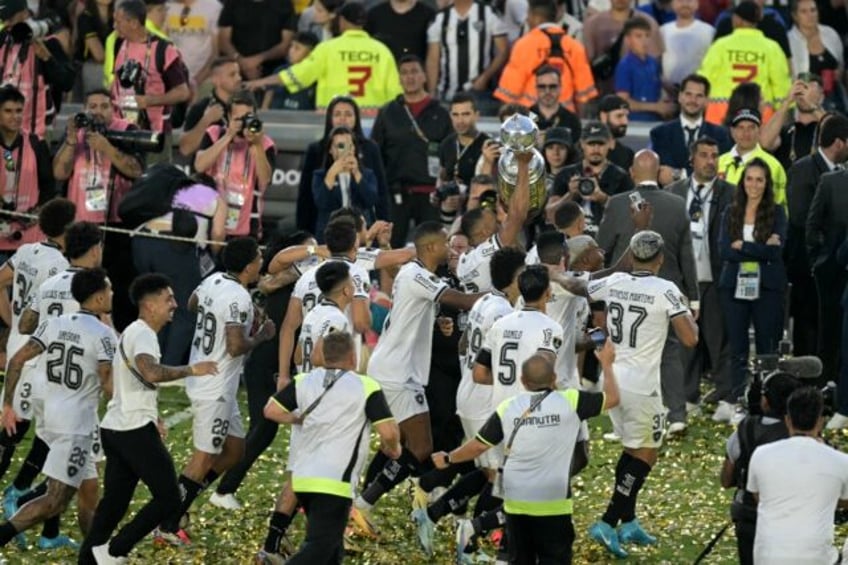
<point x="542" y="540"/>
<point x="413" y="207"/>
<point x="712" y="349"/>
<point x="672" y="379"/>
<point x="745" y="541"/>
<point x="131" y="456"/>
<point x="830" y="283"/>
<point x="326" y="520"/>
<point x="804" y="309"/>
<point x="767" y="315"/>
<point x="259" y="370"/>
<point x="118" y="262"/>
<point x="842" y="387"/>
<point x="180" y="263"/>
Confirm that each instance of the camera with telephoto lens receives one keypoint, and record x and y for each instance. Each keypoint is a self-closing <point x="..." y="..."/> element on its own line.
<point x="130" y="141"/>
<point x="446" y="191"/>
<point x="586" y="185"/>
<point x="130" y="74"/>
<point x="251" y="123"/>
<point x="804" y="368"/>
<point x="32" y="29"/>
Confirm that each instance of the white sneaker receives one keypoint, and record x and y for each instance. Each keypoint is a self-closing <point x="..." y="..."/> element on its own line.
<point x="676" y="428"/>
<point x="612" y="436"/>
<point x="724" y="412"/>
<point x="837" y="422"/>
<point x="225" y="501"/>
<point x="103" y="557"/>
<point x="738" y="416"/>
<point x="693" y="409"/>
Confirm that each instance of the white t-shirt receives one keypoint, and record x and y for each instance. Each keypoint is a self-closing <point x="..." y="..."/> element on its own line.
<point x="54" y="296"/>
<point x="133" y="403"/>
<point x="323" y="320"/>
<point x="474" y="401"/>
<point x="684" y="48"/>
<point x="799" y="481"/>
<point x="403" y="352"/>
<point x="75" y="345"/>
<point x="221" y="301"/>
<point x="510" y="342"/>
<point x="473" y="267"/>
<point x="639" y="309"/>
<point x="194" y="33"/>
<point x="33" y="263"/>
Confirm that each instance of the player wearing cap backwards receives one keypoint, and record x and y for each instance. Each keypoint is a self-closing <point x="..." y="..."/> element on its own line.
<point x="640" y="306"/>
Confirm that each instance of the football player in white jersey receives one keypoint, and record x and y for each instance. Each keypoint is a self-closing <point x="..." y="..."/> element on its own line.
<point x="341" y="239"/>
<point x="328" y="317"/>
<point x="78" y="356"/>
<point x="640" y="307"/>
<point x="473" y="401"/>
<point x="401" y="361"/>
<point x="131" y="428"/>
<point x="222" y="334"/>
<point x="31" y="265"/>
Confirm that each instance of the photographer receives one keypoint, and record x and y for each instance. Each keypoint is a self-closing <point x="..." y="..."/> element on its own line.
<point x="797" y="483"/>
<point x="211" y="110"/>
<point x="767" y="407"/>
<point x="150" y="78"/>
<point x="240" y="158"/>
<point x="34" y="62"/>
<point x="98" y="172"/>
<point x="591" y="182"/>
<point x="26" y="179"/>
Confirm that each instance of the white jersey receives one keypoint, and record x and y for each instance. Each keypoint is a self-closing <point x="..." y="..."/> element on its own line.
<point x="221" y="301"/>
<point x="366" y="257"/>
<point x="473" y="267"/>
<point x="473" y="400"/>
<point x="54" y="296"/>
<point x="639" y="308"/>
<point x="306" y="289"/>
<point x="510" y="342"/>
<point x="75" y="345"/>
<point x="134" y="400"/>
<point x="33" y="263"/>
<point x="403" y="352"/>
<point x="324" y="319"/>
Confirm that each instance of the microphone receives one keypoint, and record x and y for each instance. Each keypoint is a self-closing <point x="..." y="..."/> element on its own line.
<point x="805" y="367"/>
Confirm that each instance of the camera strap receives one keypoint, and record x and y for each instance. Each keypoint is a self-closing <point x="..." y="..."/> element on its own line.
<point x="415" y="125"/>
<point x="521" y="421"/>
<point x="460" y="153"/>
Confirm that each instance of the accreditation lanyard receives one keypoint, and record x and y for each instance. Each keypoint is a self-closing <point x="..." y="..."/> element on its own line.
<point x="521" y="421"/>
<point x="415" y="125"/>
<point x="460" y="153"/>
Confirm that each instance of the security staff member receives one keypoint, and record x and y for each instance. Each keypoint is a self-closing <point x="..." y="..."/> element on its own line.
<point x="539" y="430"/>
<point x="754" y="431"/>
<point x="353" y="63"/>
<point x="323" y="473"/>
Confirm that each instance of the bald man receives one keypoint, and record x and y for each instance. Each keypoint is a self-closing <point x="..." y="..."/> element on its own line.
<point x="621" y="220"/>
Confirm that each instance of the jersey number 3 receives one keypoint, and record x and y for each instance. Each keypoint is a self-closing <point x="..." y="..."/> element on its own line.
<point x="357" y="76"/>
<point x="744" y="73"/>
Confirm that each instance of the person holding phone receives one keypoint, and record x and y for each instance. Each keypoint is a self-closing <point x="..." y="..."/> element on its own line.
<point x="342" y="182"/>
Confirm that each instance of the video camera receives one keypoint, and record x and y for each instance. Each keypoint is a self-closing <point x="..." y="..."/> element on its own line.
<point x="133" y="141"/>
<point x="32" y="29"/>
<point x="805" y="369"/>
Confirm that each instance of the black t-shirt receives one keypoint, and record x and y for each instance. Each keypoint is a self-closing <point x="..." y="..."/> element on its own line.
<point x="402" y="33"/>
<point x="90" y="25"/>
<point x="258" y="25"/>
<point x="621" y="155"/>
<point x="798" y="137"/>
<point x="563" y="118"/>
<point x="614" y="180"/>
<point x="450" y="150"/>
<point x="195" y="112"/>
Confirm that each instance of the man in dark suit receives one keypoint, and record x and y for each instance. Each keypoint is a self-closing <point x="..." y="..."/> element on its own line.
<point x="672" y="140"/>
<point x="706" y="197"/>
<point x="620" y="221"/>
<point x="802" y="179"/>
<point x="825" y="230"/>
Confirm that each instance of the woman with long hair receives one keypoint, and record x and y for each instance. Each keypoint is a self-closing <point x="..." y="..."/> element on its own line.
<point x="342" y="111"/>
<point x="753" y="278"/>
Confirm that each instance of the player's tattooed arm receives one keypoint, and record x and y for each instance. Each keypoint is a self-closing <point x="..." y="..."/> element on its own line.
<point x="30" y="350"/>
<point x="29" y="321"/>
<point x="154" y="372"/>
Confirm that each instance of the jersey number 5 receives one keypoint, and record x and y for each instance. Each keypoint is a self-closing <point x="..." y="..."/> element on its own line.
<point x="744" y="73"/>
<point x="509" y="369"/>
<point x="357" y="76"/>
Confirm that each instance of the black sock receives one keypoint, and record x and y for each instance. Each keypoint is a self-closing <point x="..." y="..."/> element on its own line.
<point x="8" y="444"/>
<point x="392" y="475"/>
<point x="486" y="502"/>
<point x="189" y="490"/>
<point x="639" y="470"/>
<point x="210" y="478"/>
<point x="50" y="528"/>
<point x="32" y="464"/>
<point x="276" y="530"/>
<point x="488" y="521"/>
<point x="39" y="490"/>
<point x="375" y="467"/>
<point x="623" y="490"/>
<point x="7" y="532"/>
<point x="458" y="495"/>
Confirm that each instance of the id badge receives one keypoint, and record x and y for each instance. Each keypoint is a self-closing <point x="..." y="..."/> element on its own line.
<point x="235" y="202"/>
<point x="748" y="281"/>
<point x="697" y="229"/>
<point x="95" y="191"/>
<point x="129" y="108"/>
<point x="433" y="164"/>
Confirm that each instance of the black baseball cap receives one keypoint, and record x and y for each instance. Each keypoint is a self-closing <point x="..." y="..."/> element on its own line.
<point x="611" y="103"/>
<point x="748" y="11"/>
<point x="595" y="131"/>
<point x="559" y="135"/>
<point x="355" y="13"/>
<point x="746" y="114"/>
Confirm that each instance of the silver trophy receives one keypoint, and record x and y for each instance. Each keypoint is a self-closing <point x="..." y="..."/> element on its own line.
<point x="518" y="135"/>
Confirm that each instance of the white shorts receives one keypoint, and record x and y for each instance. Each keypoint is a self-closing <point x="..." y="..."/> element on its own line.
<point x="639" y="420"/>
<point x="70" y="459"/>
<point x="25" y="393"/>
<point x="213" y="421"/>
<point x="405" y="400"/>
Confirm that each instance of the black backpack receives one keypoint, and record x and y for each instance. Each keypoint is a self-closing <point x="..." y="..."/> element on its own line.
<point x="152" y="195"/>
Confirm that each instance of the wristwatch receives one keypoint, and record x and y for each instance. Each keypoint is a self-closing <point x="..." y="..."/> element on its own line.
<point x="310" y="250"/>
<point x="447" y="458"/>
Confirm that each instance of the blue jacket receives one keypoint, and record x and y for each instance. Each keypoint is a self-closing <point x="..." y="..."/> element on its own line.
<point x="770" y="257"/>
<point x="669" y="142"/>
<point x="363" y="195"/>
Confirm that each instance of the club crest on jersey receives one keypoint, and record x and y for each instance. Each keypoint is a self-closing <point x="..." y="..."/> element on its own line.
<point x="547" y="337"/>
<point x="72" y="470"/>
<point x="234" y="311"/>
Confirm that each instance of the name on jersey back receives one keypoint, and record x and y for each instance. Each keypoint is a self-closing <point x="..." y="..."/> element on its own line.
<point x="632" y="296"/>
